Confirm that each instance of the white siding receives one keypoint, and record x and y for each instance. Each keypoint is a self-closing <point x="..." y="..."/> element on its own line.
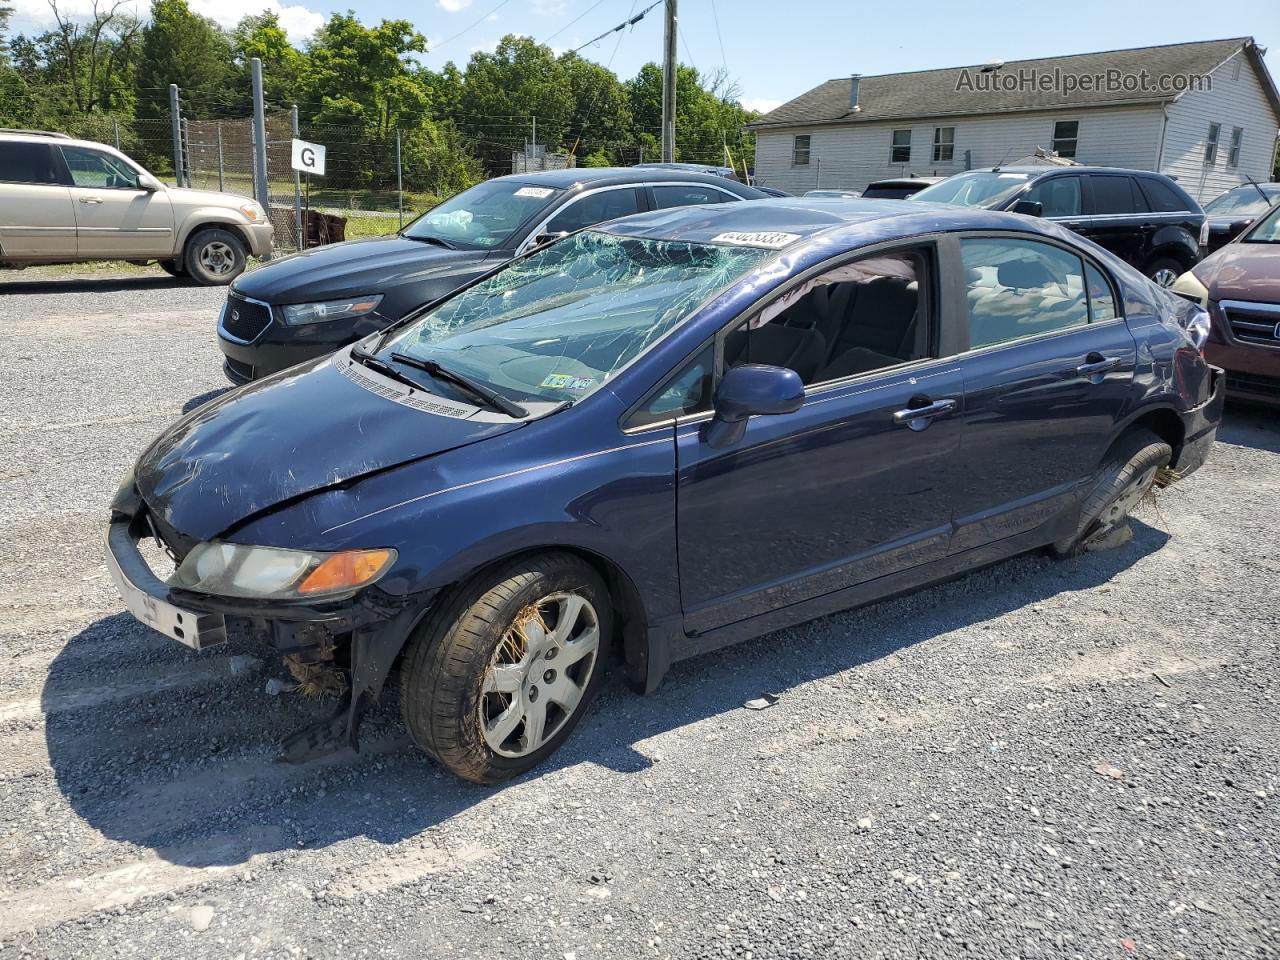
<point x="854" y="155"/>
<point x="1231" y="103"/>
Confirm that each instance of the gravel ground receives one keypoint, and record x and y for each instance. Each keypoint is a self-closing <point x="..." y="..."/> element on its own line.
<point x="1041" y="759"/>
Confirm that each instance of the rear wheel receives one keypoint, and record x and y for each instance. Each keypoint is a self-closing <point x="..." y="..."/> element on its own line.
<point x="1127" y="475"/>
<point x="1164" y="271"/>
<point x="214" y="256"/>
<point x="497" y="679"/>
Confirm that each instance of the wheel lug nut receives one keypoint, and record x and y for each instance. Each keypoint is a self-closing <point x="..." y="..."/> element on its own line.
<point x="533" y="693"/>
<point x="549" y="676"/>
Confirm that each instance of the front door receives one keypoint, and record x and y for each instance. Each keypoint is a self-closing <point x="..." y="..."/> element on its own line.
<point x="851" y="487"/>
<point x="114" y="216"/>
<point x="1048" y="375"/>
<point x="36" y="216"/>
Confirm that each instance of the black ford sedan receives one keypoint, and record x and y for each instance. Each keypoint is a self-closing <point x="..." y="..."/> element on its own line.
<point x="658" y="437"/>
<point x="312" y="303"/>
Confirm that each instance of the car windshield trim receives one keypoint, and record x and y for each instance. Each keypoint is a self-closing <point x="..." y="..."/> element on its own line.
<point x="564" y="321"/>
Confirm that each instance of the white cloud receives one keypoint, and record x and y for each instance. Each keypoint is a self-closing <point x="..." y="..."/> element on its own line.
<point x="550" y="8"/>
<point x="493" y="17"/>
<point x="453" y="6"/>
<point x="760" y="104"/>
<point x="298" y="21"/>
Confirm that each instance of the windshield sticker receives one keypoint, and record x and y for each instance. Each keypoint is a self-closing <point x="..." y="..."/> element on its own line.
<point x="565" y="381"/>
<point x="541" y="193"/>
<point x="771" y="241"/>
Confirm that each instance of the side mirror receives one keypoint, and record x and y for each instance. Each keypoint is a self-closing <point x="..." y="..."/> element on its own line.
<point x="1032" y="208"/>
<point x="148" y="183"/>
<point x="748" y="390"/>
<point x="543" y="239"/>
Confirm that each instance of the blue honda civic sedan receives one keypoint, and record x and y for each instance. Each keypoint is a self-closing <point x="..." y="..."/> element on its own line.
<point x="655" y="438"/>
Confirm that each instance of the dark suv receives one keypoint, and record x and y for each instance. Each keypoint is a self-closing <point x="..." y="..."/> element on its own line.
<point x="312" y="303"/>
<point x="1142" y="217"/>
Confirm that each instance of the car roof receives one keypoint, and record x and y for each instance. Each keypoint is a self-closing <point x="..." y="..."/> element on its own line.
<point x="1074" y="169"/>
<point x="607" y="176"/>
<point x="805" y="218"/>
<point x="906" y="182"/>
<point x="58" y="139"/>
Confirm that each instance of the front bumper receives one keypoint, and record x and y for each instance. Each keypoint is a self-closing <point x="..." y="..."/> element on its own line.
<point x="278" y="346"/>
<point x="261" y="238"/>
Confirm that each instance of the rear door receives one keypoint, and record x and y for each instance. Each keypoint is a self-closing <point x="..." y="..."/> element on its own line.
<point x="1119" y="217"/>
<point x="665" y="195"/>
<point x="37" y="219"/>
<point x="1048" y="374"/>
<point x="114" y="216"/>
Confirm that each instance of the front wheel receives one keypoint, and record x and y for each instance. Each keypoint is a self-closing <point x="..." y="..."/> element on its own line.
<point x="214" y="257"/>
<point x="1164" y="271"/>
<point x="497" y="679"/>
<point x="1128" y="474"/>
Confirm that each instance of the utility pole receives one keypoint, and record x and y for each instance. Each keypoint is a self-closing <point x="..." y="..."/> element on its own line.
<point x="259" y="140"/>
<point x="175" y="121"/>
<point x="399" y="181"/>
<point x="669" y="85"/>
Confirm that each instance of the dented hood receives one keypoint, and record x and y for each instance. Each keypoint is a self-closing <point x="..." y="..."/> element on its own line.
<point x="282" y="437"/>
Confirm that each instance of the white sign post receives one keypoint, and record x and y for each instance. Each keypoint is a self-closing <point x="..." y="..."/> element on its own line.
<point x="308" y="159"/>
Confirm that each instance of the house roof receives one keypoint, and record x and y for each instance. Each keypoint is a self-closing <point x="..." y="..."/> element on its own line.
<point x="959" y="90"/>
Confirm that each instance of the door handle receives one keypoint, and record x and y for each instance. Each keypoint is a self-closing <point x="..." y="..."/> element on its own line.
<point x="90" y="199"/>
<point x="1095" y="368"/>
<point x="917" y="418"/>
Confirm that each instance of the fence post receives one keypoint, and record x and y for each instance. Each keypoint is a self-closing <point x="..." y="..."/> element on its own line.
<point x="175" y="121"/>
<point x="116" y="124"/>
<point x="260" y="141"/>
<point x="399" y="182"/>
<point x="297" y="186"/>
<point x="222" y="186"/>
<point x="185" y="127"/>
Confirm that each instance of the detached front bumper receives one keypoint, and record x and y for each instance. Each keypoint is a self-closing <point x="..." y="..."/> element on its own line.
<point x="1200" y="426"/>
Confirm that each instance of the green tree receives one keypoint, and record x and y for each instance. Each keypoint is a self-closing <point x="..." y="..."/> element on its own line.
<point x="601" y="120"/>
<point x="283" y="64"/>
<point x="182" y="47"/>
<point x="708" y="116"/>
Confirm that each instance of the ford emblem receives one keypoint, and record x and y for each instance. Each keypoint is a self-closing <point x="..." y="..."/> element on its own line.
<point x="235" y="314"/>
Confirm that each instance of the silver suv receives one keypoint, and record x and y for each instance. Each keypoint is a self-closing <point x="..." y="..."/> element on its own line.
<point x="67" y="201"/>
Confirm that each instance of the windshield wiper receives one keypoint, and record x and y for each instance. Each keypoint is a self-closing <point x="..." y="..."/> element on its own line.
<point x="428" y="238"/>
<point x="491" y="397"/>
<point x="362" y="355"/>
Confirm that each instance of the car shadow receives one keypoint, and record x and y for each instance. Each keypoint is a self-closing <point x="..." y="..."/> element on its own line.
<point x="1247" y="425"/>
<point x="161" y="281"/>
<point x="201" y="399"/>
<point x="175" y="752"/>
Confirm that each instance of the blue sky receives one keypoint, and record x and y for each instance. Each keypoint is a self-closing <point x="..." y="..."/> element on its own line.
<point x="777" y="51"/>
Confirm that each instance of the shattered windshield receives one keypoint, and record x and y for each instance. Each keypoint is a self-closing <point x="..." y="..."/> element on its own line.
<point x="483" y="217"/>
<point x="986" y="188"/>
<point x="559" y="324"/>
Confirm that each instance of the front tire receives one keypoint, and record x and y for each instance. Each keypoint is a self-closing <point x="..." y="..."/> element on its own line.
<point x="497" y="679"/>
<point x="214" y="257"/>
<point x="1127" y="475"/>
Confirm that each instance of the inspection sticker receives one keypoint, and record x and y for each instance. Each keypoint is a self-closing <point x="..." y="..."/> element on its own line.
<point x="541" y="193"/>
<point x="773" y="241"/>
<point x="564" y="381"/>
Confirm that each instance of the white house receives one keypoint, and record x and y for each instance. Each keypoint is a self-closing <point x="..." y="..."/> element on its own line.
<point x="1205" y="113"/>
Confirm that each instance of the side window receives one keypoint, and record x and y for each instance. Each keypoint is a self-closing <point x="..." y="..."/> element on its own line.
<point x="1211" y="144"/>
<point x="800" y="150"/>
<point x="1161" y="197"/>
<point x="1021" y="288"/>
<point x="685" y="195"/>
<point x="1066" y="137"/>
<point x="594" y="208"/>
<point x="1111" y="195"/>
<point x="1102" y="296"/>
<point x="89" y="168"/>
<point x="688" y="391"/>
<point x="900" y="152"/>
<point x="22" y="162"/>
<point x="1060" y="196"/>
<point x="852" y="319"/>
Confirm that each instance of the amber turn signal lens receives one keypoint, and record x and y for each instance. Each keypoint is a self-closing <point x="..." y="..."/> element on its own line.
<point x="343" y="571"/>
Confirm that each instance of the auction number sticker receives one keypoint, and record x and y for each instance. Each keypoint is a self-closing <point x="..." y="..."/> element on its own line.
<point x="772" y="241"/>
<point x="540" y="193"/>
<point x="565" y="381"/>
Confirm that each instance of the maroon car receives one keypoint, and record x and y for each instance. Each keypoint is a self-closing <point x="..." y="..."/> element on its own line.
<point x="1240" y="287"/>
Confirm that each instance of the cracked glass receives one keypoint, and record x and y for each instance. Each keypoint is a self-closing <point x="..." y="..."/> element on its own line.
<point x="561" y="323"/>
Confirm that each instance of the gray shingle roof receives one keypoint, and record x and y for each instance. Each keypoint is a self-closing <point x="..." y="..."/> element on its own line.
<point x="932" y="93"/>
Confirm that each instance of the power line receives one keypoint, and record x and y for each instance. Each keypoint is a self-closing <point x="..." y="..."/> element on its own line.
<point x="575" y="20"/>
<point x="471" y="26"/>
<point x="622" y="26"/>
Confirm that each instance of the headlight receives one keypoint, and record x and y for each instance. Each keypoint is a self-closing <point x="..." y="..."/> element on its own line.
<point x="1197" y="326"/>
<point x="1189" y="287"/>
<point x="236" y="570"/>
<point x="298" y="314"/>
<point x="1204" y="234"/>
<point x="253" y="212"/>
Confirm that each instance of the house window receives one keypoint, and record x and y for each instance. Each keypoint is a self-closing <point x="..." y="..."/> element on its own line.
<point x="1211" y="145"/>
<point x="1235" y="69"/>
<point x="1066" y="135"/>
<point x="1233" y="156"/>
<point x="901" y="152"/>
<point x="800" y="151"/>
<point x="944" y="143"/>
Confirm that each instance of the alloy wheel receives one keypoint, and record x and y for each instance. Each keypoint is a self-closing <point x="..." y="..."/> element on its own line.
<point x="1164" y="277"/>
<point x="539" y="673"/>
<point x="218" y="258"/>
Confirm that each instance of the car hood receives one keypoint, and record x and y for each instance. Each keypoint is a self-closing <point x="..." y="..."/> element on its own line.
<point x="1242" y="271"/>
<point x="300" y="431"/>
<point x="205" y="198"/>
<point x="356" y="267"/>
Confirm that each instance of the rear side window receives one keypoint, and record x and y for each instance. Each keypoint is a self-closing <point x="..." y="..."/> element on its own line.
<point x="1162" y="197"/>
<point x="595" y="208"/>
<point x="1113" y="195"/>
<point x="685" y="195"/>
<point x="22" y="162"/>
<point x="1059" y="196"/>
<point x="1102" y="296"/>
<point x="1021" y="288"/>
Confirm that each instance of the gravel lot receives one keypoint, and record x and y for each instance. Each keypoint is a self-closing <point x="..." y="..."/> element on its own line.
<point x="1042" y="759"/>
